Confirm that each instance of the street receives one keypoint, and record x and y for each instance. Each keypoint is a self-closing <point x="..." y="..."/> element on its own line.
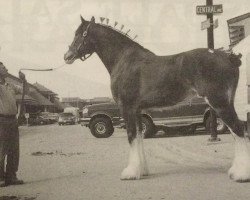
<point x="67" y="162"/>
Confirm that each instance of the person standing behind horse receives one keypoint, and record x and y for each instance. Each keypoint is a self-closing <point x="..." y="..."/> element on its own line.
<point x="212" y="127"/>
<point x="9" y="134"/>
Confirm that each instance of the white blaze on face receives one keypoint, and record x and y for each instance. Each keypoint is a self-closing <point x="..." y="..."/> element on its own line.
<point x="240" y="170"/>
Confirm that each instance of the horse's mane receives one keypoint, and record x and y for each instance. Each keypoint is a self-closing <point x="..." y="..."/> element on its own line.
<point x="116" y="30"/>
<point x="125" y="36"/>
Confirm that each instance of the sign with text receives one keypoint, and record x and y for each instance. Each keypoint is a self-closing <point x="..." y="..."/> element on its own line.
<point x="216" y="23"/>
<point x="206" y="24"/>
<point x="204" y="10"/>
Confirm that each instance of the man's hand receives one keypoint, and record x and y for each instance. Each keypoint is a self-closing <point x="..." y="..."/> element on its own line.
<point x="22" y="76"/>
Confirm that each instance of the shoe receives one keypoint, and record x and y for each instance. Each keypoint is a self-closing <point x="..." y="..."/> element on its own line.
<point x="214" y="139"/>
<point x="12" y="182"/>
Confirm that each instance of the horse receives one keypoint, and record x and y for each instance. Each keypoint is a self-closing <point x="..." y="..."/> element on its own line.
<point x="141" y="79"/>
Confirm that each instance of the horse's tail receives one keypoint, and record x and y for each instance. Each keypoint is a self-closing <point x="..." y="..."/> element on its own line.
<point x="235" y="59"/>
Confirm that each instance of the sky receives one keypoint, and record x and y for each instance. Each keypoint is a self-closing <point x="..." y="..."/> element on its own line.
<point x="36" y="34"/>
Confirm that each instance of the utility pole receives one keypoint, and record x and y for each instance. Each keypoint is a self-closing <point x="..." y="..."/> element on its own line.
<point x="210" y="30"/>
<point x="210" y="45"/>
<point x="209" y="9"/>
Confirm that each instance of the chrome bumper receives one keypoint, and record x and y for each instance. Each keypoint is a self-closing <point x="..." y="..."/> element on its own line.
<point x="84" y="121"/>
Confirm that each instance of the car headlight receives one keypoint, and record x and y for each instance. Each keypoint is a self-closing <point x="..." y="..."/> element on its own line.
<point x="85" y="110"/>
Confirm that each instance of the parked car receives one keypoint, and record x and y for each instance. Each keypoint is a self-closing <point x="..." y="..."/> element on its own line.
<point x="186" y="115"/>
<point x="66" y="118"/>
<point x="75" y="111"/>
<point x="52" y="117"/>
<point x="39" y="120"/>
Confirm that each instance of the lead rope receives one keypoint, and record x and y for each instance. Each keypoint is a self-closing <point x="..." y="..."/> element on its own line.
<point x="48" y="69"/>
<point x="24" y="83"/>
<point x="19" y="119"/>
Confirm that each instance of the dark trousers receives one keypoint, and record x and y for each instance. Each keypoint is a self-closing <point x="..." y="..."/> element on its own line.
<point x="9" y="148"/>
<point x="213" y="124"/>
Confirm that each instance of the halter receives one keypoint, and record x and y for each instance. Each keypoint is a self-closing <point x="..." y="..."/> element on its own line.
<point x="76" y="50"/>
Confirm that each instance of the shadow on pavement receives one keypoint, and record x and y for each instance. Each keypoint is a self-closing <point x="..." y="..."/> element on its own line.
<point x="16" y="198"/>
<point x="181" y="132"/>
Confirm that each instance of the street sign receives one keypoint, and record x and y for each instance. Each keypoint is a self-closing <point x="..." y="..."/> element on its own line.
<point x="206" y="24"/>
<point x="26" y="115"/>
<point x="213" y="9"/>
<point x="216" y="24"/>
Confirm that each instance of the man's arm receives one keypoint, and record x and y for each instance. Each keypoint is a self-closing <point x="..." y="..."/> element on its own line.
<point x="19" y="89"/>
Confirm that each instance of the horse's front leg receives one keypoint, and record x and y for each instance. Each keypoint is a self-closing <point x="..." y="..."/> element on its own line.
<point x="134" y="168"/>
<point x="140" y="136"/>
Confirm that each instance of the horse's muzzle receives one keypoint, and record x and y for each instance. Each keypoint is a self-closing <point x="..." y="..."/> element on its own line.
<point x="69" y="57"/>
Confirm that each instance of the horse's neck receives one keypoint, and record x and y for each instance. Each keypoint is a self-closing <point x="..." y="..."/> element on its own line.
<point x="109" y="55"/>
<point x="110" y="48"/>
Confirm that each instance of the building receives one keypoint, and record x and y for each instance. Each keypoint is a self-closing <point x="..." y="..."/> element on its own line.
<point x="239" y="35"/>
<point x="242" y="96"/>
<point x="238" y="28"/>
<point x="30" y="103"/>
<point x="73" y="102"/>
<point x="34" y="100"/>
<point x="99" y="100"/>
<point x="80" y="103"/>
<point x="47" y="93"/>
<point x="48" y="99"/>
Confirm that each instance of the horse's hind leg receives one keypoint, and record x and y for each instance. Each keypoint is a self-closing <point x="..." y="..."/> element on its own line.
<point x="134" y="168"/>
<point x="240" y="170"/>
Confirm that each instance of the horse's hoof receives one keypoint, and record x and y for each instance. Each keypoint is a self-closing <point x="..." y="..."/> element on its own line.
<point x="145" y="172"/>
<point x="130" y="173"/>
<point x="236" y="176"/>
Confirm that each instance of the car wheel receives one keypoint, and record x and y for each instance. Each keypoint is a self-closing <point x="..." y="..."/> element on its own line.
<point x="148" y="128"/>
<point x="101" y="127"/>
<point x="221" y="127"/>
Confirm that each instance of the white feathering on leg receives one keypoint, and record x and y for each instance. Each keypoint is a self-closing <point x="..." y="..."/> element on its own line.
<point x="240" y="170"/>
<point x="133" y="170"/>
<point x="144" y="166"/>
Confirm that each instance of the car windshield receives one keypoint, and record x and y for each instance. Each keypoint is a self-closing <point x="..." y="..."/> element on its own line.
<point x="66" y="115"/>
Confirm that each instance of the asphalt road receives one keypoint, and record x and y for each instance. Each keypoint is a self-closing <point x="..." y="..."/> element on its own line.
<point x="67" y="162"/>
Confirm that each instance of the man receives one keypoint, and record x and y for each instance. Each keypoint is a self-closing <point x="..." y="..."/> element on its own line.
<point x="9" y="134"/>
<point x="213" y="127"/>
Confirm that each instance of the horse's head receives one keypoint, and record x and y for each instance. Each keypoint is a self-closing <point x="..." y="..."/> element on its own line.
<point x="82" y="45"/>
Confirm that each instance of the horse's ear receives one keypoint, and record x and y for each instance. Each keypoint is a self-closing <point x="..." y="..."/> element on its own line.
<point x="83" y="20"/>
<point x="93" y="19"/>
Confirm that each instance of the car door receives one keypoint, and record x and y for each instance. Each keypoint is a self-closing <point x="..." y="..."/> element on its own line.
<point x="177" y="115"/>
<point x="198" y="106"/>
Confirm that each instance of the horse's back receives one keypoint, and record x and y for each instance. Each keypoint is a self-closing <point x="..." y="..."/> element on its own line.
<point x="145" y="77"/>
